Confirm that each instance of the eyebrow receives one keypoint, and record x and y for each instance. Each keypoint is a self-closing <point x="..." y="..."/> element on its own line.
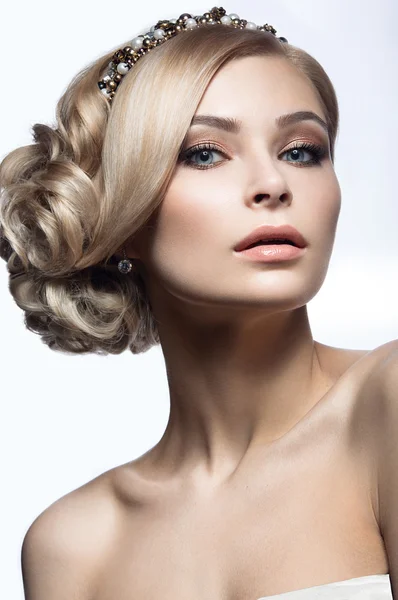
<point x="232" y="125"/>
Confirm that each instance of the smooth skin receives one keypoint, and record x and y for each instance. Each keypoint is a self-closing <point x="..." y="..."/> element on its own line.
<point x="243" y="367"/>
<point x="264" y="480"/>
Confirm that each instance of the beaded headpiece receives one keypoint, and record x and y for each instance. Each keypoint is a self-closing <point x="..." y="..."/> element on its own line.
<point x="124" y="59"/>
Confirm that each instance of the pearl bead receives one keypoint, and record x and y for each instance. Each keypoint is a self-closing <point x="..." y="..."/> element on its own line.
<point x="233" y="16"/>
<point x="122" y="68"/>
<point x="250" y="25"/>
<point x="158" y="34"/>
<point x="105" y="92"/>
<point x="226" y="20"/>
<point x="136" y="43"/>
<point x="190" y="24"/>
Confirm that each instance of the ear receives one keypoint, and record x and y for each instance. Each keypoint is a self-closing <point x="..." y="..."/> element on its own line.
<point x="386" y="380"/>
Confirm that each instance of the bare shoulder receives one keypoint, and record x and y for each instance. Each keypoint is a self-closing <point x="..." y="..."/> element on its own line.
<point x="337" y="361"/>
<point x="384" y="385"/>
<point x="68" y="542"/>
<point x="369" y="372"/>
<point x="367" y="411"/>
<point x="382" y="396"/>
<point x="385" y="373"/>
<point x="385" y="352"/>
<point x="381" y="364"/>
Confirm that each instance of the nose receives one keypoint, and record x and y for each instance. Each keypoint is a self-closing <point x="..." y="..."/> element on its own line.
<point x="269" y="198"/>
<point x="267" y="184"/>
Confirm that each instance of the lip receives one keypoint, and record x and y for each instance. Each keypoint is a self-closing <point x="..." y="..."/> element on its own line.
<point x="270" y="232"/>
<point x="272" y="253"/>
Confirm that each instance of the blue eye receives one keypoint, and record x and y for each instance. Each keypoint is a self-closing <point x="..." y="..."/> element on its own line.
<point x="205" y="152"/>
<point x="318" y="153"/>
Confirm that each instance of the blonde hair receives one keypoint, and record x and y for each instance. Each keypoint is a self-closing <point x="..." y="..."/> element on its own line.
<point x="98" y="175"/>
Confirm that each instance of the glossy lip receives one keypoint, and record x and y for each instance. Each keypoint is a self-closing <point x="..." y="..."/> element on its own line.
<point x="272" y="253"/>
<point x="270" y="232"/>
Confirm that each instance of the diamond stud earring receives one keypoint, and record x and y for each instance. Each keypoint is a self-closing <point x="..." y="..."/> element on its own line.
<point x="125" y="265"/>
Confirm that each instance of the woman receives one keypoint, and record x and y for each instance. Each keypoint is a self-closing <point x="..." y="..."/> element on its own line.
<point x="129" y="225"/>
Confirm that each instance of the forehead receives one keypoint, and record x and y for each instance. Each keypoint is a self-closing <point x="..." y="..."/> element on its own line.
<point x="259" y="85"/>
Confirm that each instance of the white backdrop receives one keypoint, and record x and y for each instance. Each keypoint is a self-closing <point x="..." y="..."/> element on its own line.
<point x="66" y="419"/>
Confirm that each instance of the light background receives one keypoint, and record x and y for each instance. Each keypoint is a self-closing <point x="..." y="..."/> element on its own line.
<point x="64" y="419"/>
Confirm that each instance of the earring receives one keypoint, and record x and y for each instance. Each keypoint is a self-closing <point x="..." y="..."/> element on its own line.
<point x="125" y="265"/>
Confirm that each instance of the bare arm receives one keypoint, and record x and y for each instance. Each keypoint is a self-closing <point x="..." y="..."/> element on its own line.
<point x="65" y="547"/>
<point x="51" y="566"/>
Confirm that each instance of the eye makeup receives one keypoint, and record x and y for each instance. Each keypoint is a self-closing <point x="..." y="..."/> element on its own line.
<point x="317" y="152"/>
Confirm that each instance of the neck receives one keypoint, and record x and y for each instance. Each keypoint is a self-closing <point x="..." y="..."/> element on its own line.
<point x="234" y="384"/>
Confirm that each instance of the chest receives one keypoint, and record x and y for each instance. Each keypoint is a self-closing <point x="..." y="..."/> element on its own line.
<point x="286" y="524"/>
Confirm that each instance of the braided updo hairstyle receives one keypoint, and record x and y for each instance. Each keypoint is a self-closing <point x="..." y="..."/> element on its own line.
<point x="95" y="178"/>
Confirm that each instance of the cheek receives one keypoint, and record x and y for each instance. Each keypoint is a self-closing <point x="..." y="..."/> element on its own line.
<point x="331" y="198"/>
<point x="322" y="210"/>
<point x="189" y="219"/>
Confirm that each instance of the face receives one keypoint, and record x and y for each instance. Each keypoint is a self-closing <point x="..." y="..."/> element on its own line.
<point x="220" y="193"/>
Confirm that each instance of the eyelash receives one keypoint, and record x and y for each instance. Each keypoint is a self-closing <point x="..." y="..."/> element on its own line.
<point x="318" y="153"/>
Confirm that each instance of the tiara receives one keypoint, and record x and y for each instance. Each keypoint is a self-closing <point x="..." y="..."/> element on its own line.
<point x="125" y="58"/>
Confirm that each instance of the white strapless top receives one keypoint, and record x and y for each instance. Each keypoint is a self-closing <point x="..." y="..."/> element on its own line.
<point x="370" y="587"/>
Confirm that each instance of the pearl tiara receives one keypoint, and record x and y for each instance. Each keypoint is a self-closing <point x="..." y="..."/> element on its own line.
<point x="124" y="59"/>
